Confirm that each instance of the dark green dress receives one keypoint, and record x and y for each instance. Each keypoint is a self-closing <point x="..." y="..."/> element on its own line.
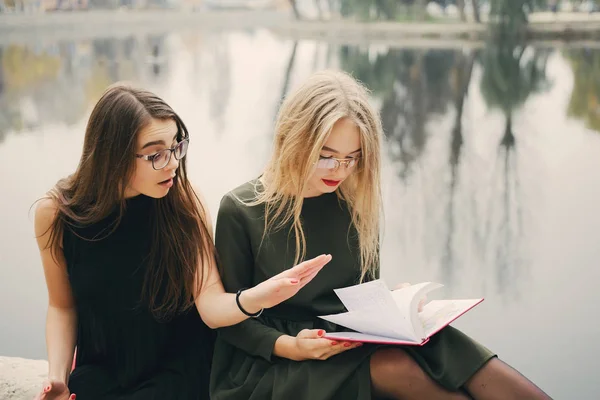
<point x="243" y="364"/>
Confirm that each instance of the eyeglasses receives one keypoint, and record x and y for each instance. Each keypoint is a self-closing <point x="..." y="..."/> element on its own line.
<point x="333" y="164"/>
<point x="163" y="157"/>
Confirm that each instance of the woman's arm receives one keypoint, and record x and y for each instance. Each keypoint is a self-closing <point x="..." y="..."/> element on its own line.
<point x="61" y="319"/>
<point x="252" y="336"/>
<point x="237" y="269"/>
<point x="218" y="308"/>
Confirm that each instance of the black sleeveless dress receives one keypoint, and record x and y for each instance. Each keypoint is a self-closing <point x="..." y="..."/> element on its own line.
<point x="123" y="352"/>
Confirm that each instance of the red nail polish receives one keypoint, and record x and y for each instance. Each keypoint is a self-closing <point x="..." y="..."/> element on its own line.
<point x="333" y="343"/>
<point x="321" y="332"/>
<point x="346" y="344"/>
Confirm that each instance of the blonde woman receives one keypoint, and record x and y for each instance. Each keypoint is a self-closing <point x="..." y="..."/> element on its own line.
<point x="320" y="193"/>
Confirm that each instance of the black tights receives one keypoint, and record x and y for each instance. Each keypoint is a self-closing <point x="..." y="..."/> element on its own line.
<point x="395" y="375"/>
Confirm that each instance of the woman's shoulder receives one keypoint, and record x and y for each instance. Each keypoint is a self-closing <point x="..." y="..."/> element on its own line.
<point x="241" y="195"/>
<point x="45" y="213"/>
<point x="239" y="204"/>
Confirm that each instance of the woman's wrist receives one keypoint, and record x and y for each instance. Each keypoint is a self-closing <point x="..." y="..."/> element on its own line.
<point x="56" y="376"/>
<point x="285" y="347"/>
<point x="249" y="302"/>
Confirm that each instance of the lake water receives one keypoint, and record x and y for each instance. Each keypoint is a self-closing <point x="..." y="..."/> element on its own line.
<point x="491" y="177"/>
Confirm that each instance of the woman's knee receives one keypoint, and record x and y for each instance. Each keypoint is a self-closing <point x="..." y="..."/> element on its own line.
<point x="389" y="364"/>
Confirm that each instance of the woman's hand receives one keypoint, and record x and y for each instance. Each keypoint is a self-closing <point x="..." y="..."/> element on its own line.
<point x="423" y="300"/>
<point x="282" y="286"/>
<point x="55" y="390"/>
<point x="310" y="345"/>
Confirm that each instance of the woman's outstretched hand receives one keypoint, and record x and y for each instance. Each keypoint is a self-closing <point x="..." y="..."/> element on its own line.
<point x="284" y="285"/>
<point x="55" y="390"/>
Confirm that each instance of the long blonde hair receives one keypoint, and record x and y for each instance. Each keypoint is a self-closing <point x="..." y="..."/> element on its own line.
<point x="303" y="125"/>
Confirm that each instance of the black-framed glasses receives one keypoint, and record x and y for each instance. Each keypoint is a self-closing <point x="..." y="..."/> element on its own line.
<point x="333" y="164"/>
<point x="161" y="159"/>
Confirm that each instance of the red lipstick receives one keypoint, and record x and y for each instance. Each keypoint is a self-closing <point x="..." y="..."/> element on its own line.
<point x="329" y="182"/>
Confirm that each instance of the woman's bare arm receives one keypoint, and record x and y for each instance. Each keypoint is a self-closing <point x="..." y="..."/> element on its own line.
<point x="218" y="308"/>
<point x="61" y="319"/>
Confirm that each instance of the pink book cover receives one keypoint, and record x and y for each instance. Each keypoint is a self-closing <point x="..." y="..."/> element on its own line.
<point x="366" y="338"/>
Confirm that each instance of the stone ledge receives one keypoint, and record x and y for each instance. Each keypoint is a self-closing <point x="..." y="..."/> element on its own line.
<point x="20" y="378"/>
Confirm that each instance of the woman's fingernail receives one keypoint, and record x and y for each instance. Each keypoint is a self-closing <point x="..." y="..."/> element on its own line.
<point x="333" y="343"/>
<point x="321" y="332"/>
<point x="347" y="344"/>
<point x="47" y="388"/>
<point x="358" y="344"/>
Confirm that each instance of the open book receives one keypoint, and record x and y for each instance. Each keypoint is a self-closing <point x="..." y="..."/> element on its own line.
<point x="378" y="315"/>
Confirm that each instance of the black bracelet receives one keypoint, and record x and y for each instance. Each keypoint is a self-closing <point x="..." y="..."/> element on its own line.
<point x="237" y="300"/>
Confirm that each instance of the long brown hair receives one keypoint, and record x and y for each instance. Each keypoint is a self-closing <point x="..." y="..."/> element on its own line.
<point x="181" y="240"/>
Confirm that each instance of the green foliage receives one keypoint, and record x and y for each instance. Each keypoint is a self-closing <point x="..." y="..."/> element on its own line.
<point x="585" y="97"/>
<point x="513" y="12"/>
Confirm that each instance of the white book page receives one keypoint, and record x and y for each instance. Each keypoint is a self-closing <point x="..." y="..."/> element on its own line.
<point x="373" y="303"/>
<point x="363" y="337"/>
<point x="407" y="300"/>
<point x="438" y="313"/>
<point x="370" y="295"/>
<point x="372" y="323"/>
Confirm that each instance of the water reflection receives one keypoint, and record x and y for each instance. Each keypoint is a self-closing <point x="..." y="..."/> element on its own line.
<point x="421" y="94"/>
<point x="460" y="78"/>
<point x="56" y="83"/>
<point x="25" y="74"/>
<point x="418" y="88"/>
<point x="289" y="70"/>
<point x="220" y="84"/>
<point x="468" y="155"/>
<point x="585" y="98"/>
<point x="512" y="72"/>
<point x="413" y="87"/>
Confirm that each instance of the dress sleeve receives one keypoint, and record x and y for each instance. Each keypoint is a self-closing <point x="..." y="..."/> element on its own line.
<point x="236" y="266"/>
